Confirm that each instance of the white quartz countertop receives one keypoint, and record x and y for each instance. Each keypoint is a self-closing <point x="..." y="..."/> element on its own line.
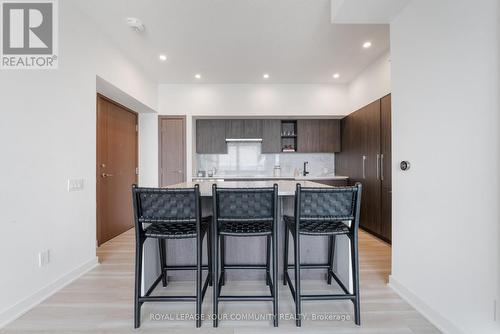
<point x="260" y="177"/>
<point x="285" y="188"/>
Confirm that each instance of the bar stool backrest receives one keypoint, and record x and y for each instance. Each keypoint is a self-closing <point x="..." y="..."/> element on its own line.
<point x="245" y="204"/>
<point x="328" y="204"/>
<point x="166" y="205"/>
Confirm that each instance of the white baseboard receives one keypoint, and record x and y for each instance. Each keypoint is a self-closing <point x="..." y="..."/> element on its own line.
<point x="28" y="303"/>
<point x="428" y="312"/>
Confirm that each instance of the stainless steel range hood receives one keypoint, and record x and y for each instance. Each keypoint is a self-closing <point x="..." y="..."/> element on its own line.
<point x="254" y="140"/>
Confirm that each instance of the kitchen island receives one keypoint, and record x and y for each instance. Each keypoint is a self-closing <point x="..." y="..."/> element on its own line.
<point x="250" y="249"/>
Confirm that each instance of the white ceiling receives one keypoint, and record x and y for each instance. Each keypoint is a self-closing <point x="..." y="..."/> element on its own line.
<point x="366" y="11"/>
<point x="236" y="41"/>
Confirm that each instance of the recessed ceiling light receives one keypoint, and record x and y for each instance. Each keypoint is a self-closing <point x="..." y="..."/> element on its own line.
<point x="336" y="76"/>
<point x="366" y="45"/>
<point x="265" y="76"/>
<point x="162" y="57"/>
<point x="197" y="76"/>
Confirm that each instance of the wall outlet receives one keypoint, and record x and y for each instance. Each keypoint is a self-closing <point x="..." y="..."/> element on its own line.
<point x="76" y="184"/>
<point x="43" y="258"/>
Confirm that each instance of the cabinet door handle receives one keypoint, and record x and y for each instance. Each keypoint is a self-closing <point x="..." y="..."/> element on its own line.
<point x="378" y="166"/>
<point x="382" y="167"/>
<point x="364" y="166"/>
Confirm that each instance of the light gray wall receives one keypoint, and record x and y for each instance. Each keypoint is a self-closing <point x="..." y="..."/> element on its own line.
<point x="48" y="135"/>
<point x="371" y="84"/>
<point x="446" y="122"/>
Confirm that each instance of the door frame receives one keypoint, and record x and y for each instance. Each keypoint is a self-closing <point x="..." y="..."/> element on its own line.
<point x="98" y="179"/>
<point x="160" y="150"/>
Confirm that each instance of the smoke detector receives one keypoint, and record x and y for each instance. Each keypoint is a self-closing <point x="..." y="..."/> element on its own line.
<point x="136" y="24"/>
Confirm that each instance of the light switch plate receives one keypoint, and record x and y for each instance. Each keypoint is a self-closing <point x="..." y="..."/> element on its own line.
<point x="76" y="184"/>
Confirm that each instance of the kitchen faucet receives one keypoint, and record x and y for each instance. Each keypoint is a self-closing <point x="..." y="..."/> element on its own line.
<point x="305" y="171"/>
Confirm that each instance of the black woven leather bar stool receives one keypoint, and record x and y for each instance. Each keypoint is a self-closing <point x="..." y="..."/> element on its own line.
<point x="324" y="212"/>
<point x="170" y="214"/>
<point x="251" y="212"/>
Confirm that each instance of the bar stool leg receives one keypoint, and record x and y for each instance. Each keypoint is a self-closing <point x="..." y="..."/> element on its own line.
<point x="298" y="320"/>
<point x="285" y="255"/>
<point x="215" y="263"/>
<point x="209" y="256"/>
<point x="331" y="257"/>
<point x="199" y="299"/>
<point x="268" y="259"/>
<point x="163" y="261"/>
<point x="355" y="277"/>
<point x="223" y="259"/>
<point x="275" y="277"/>
<point x="138" y="281"/>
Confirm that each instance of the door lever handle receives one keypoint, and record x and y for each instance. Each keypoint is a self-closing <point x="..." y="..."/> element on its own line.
<point x="106" y="175"/>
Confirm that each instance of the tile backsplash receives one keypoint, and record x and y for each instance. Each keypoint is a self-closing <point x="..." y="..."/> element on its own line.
<point x="246" y="159"/>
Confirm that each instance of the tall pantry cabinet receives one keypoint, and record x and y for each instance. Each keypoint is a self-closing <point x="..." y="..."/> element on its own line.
<point x="366" y="158"/>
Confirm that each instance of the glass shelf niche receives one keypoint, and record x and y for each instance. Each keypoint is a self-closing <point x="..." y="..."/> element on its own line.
<point x="288" y="136"/>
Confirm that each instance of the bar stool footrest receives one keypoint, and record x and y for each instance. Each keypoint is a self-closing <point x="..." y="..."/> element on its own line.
<point x="245" y="298"/>
<point x="311" y="266"/>
<point x="327" y="297"/>
<point x="167" y="299"/>
<point x="186" y="267"/>
<point x="244" y="266"/>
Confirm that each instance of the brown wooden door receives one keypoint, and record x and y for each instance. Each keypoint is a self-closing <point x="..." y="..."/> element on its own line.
<point x="172" y="147"/>
<point x="116" y="168"/>
<point x="385" y="166"/>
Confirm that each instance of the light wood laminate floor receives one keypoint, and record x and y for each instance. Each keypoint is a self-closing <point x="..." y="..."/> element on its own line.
<point x="101" y="302"/>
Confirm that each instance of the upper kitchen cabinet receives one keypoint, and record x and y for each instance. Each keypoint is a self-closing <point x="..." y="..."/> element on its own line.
<point x="271" y="136"/>
<point x="329" y="131"/>
<point x="308" y="139"/>
<point x="243" y="128"/>
<point x="211" y="136"/>
<point x="318" y="135"/>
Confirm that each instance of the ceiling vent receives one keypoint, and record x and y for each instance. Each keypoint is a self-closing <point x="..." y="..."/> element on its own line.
<point x="135" y="24"/>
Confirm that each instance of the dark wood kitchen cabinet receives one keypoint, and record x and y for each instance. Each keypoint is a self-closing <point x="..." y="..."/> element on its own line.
<point x="366" y="158"/>
<point x="308" y="139"/>
<point x="243" y="128"/>
<point x="211" y="136"/>
<point x="318" y="135"/>
<point x="271" y="136"/>
<point x="385" y="167"/>
<point x="329" y="132"/>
